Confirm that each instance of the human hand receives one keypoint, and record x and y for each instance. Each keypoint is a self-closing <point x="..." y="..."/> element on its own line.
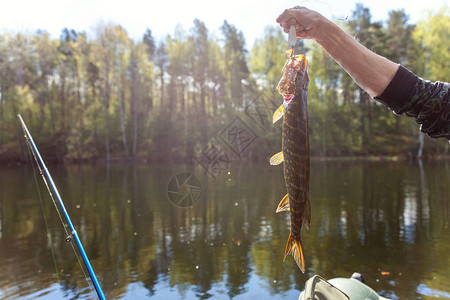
<point x="307" y="22"/>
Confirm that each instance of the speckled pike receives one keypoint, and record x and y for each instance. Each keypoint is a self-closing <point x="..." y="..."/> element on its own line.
<point x="295" y="152"/>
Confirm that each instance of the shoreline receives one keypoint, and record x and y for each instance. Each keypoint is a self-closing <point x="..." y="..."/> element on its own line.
<point x="119" y="159"/>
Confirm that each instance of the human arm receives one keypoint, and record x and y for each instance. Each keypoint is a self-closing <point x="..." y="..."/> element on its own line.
<point x="387" y="82"/>
<point x="428" y="102"/>
<point x="369" y="70"/>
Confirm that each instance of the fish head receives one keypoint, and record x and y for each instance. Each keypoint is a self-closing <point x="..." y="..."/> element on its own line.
<point x="294" y="77"/>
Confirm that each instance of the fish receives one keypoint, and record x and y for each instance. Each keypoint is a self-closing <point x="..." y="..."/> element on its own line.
<point x="293" y="86"/>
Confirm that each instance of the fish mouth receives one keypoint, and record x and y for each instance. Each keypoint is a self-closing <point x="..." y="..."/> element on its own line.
<point x="287" y="99"/>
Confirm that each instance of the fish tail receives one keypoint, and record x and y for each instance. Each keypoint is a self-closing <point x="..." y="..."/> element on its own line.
<point x="294" y="247"/>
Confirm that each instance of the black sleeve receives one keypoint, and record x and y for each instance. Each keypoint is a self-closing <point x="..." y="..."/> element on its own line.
<point x="428" y="102"/>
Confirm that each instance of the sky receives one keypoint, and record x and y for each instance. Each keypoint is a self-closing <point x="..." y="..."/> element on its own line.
<point x="162" y="16"/>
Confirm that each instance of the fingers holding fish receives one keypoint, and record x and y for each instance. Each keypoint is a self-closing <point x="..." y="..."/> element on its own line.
<point x="300" y="30"/>
<point x="286" y="24"/>
<point x="304" y="20"/>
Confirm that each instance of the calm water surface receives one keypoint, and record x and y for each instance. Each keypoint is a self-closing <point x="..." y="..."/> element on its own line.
<point x="386" y="220"/>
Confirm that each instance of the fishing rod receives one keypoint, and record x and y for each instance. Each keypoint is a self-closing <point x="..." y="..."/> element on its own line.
<point x="74" y="235"/>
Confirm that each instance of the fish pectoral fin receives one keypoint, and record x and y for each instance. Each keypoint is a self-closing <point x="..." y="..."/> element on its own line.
<point x="284" y="204"/>
<point x="277" y="159"/>
<point x="278" y="113"/>
<point x="294" y="248"/>
<point x="307" y="215"/>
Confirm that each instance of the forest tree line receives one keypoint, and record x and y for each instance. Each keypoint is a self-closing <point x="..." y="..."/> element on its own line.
<point x="111" y="97"/>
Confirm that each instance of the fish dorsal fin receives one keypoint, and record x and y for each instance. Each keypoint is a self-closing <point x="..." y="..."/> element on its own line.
<point x="284" y="204"/>
<point x="277" y="159"/>
<point x="278" y="113"/>
<point x="307" y="215"/>
<point x="294" y="248"/>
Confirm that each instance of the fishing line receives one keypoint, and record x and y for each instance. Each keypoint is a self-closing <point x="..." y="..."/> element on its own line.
<point x="49" y="237"/>
<point x="328" y="4"/>
<point x="68" y="235"/>
<point x="48" y="179"/>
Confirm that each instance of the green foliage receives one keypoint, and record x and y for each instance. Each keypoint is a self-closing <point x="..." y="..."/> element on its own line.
<point x="113" y="97"/>
<point x="432" y="36"/>
<point x="399" y="38"/>
<point x="267" y="57"/>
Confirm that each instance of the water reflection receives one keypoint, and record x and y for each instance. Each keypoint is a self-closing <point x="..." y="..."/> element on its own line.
<point x="367" y="217"/>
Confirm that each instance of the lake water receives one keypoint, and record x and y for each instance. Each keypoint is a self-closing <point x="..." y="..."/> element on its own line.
<point x="386" y="220"/>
